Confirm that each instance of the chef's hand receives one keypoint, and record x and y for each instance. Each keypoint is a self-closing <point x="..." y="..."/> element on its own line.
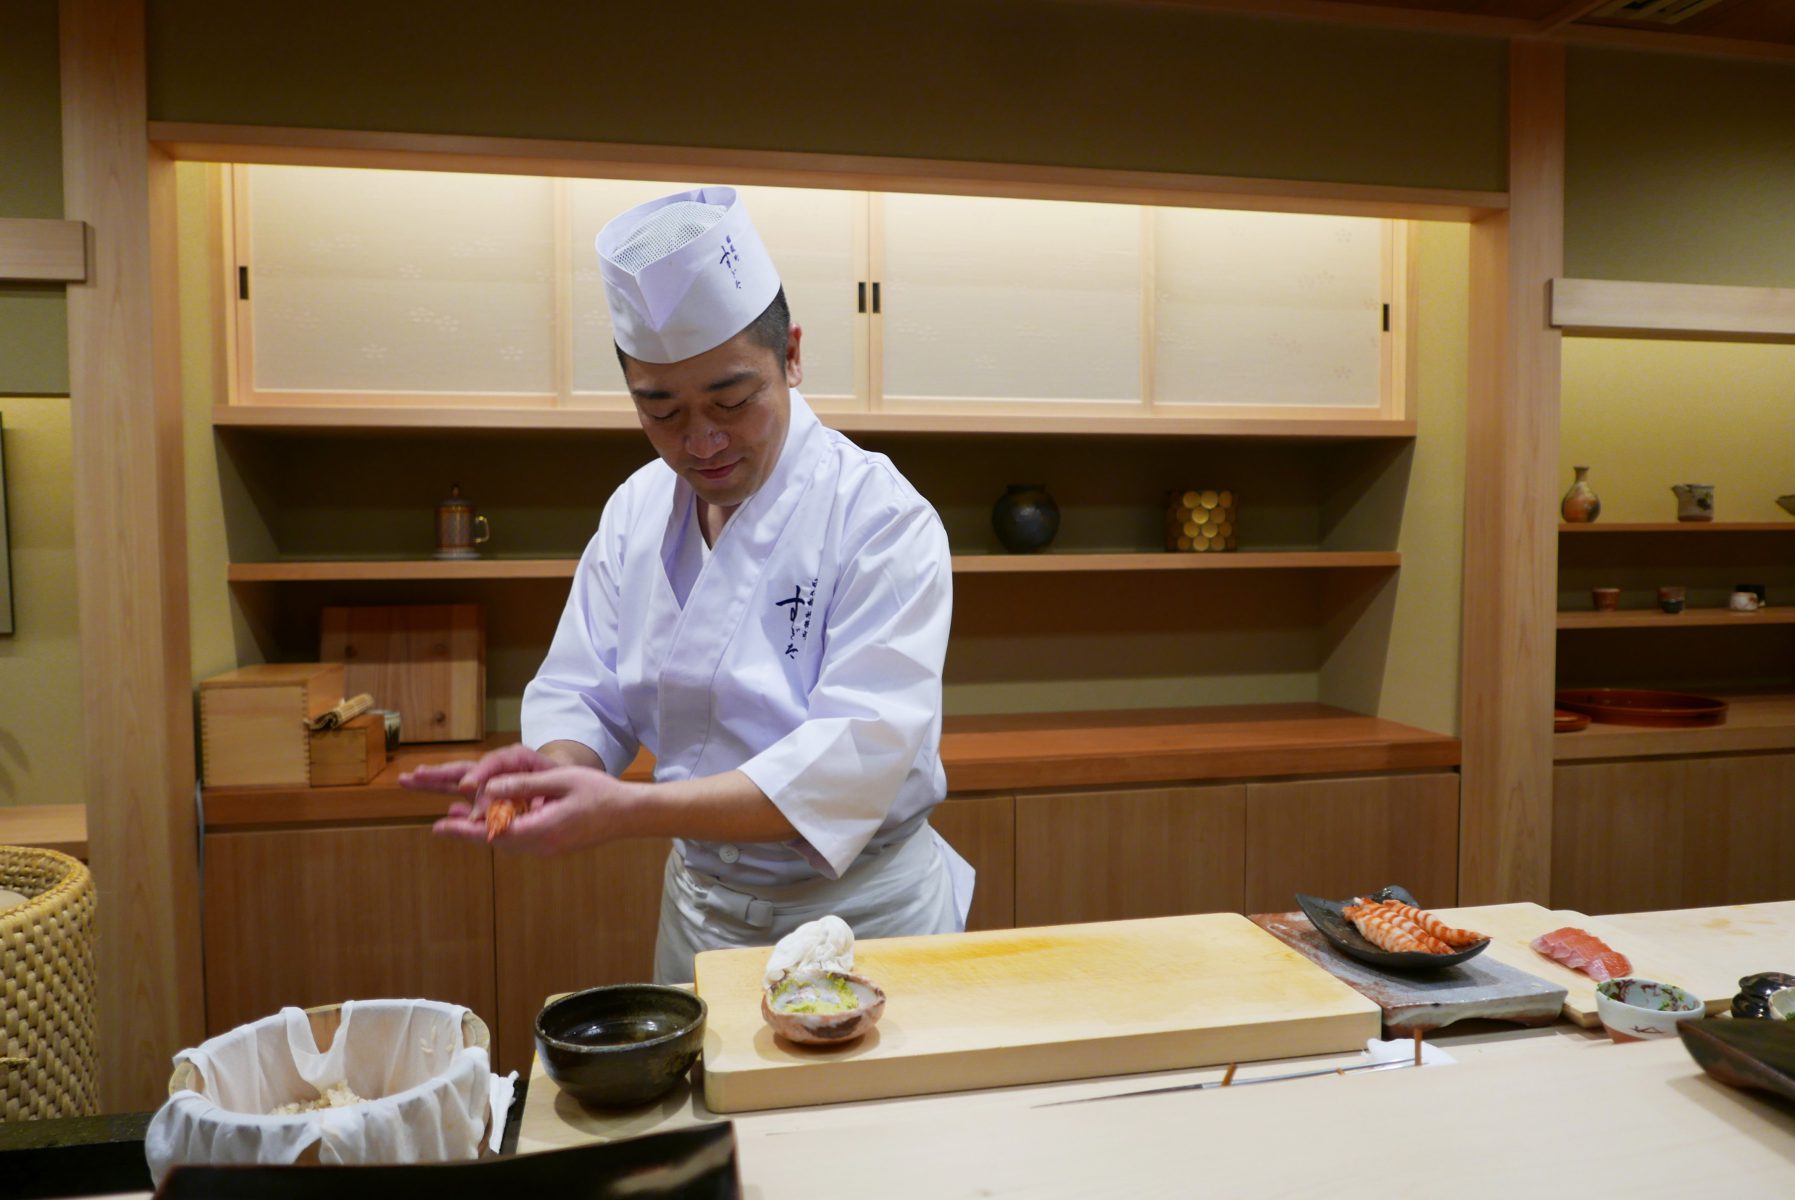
<point x="465" y="778"/>
<point x="560" y="808"/>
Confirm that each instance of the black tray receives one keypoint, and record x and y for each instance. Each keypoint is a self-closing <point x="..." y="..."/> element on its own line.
<point x="691" y="1164"/>
<point x="1329" y="919"/>
<point x="1745" y="1053"/>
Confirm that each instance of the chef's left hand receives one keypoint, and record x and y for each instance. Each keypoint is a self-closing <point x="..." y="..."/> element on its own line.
<point x="561" y="809"/>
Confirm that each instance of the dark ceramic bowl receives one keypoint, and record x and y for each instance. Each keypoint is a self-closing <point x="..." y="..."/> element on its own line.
<point x="620" y="1046"/>
<point x="1330" y="920"/>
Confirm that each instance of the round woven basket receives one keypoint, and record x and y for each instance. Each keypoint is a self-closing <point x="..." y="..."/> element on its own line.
<point x="47" y="1060"/>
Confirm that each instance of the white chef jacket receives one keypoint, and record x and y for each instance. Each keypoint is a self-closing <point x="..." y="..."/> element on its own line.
<point x="805" y="650"/>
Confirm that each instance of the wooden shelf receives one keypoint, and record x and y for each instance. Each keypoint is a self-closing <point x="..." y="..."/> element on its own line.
<point x="1756" y="721"/>
<point x="1687" y="619"/>
<point x="1627" y="308"/>
<point x="311" y="570"/>
<point x="980" y="754"/>
<point x="314" y="570"/>
<point x="1159" y="560"/>
<point x="396" y="418"/>
<point x="46" y="827"/>
<point x="1682" y="527"/>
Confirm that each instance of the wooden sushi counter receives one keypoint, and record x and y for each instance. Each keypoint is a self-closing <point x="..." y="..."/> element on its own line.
<point x="1549" y="1111"/>
<point x="1068" y="818"/>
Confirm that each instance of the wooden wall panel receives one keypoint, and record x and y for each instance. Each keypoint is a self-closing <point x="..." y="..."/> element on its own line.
<point x="568" y="923"/>
<point x="131" y="558"/>
<point x="983" y="830"/>
<point x="1110" y="856"/>
<point x="1344" y="837"/>
<point x="1740" y="830"/>
<point x="1659" y="833"/>
<point x="317" y="916"/>
<point x="1511" y="536"/>
<point x="1617" y="835"/>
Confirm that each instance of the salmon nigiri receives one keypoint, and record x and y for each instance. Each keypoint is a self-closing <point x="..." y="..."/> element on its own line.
<point x="1583" y="951"/>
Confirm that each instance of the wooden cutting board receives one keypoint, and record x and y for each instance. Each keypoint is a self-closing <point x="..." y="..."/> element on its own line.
<point x="1003" y="1007"/>
<point x="1480" y="988"/>
<point x="1727" y="942"/>
<point x="426" y="660"/>
<point x="1512" y="926"/>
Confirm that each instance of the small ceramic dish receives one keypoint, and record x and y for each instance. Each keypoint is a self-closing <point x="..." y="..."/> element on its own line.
<point x="622" y="1045"/>
<point x="1329" y="919"/>
<point x="1633" y="1010"/>
<point x="827" y="1028"/>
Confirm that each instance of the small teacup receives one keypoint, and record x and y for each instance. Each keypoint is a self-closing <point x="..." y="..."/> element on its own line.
<point x="1606" y="599"/>
<point x="1671" y="599"/>
<point x="1743" y="602"/>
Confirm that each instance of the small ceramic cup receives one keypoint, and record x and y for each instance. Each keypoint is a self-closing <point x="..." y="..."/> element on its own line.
<point x="1633" y="1010"/>
<point x="1743" y="602"/>
<point x="1756" y="589"/>
<point x="1606" y="599"/>
<point x="1671" y="599"/>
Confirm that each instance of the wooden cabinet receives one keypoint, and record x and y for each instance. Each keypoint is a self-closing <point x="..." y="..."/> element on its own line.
<point x="482" y="291"/>
<point x="1673" y="832"/>
<point x="991" y="299"/>
<point x="317" y="916"/>
<point x="568" y="923"/>
<point x="983" y="830"/>
<point x="1116" y="855"/>
<point x="1342" y="837"/>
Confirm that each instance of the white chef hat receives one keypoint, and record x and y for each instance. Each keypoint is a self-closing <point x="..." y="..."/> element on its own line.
<point x="684" y="274"/>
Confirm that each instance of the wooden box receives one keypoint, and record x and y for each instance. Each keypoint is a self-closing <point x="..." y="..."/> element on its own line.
<point x="252" y="722"/>
<point x="353" y="752"/>
<point x="426" y="661"/>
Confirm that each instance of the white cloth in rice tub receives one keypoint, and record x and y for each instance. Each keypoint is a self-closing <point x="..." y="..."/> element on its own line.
<point x="432" y="1092"/>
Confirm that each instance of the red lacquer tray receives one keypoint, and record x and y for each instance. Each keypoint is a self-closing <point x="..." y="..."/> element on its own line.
<point x="1625" y="706"/>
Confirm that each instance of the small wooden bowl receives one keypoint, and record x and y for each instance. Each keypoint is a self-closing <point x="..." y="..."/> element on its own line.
<point x="1627" y="706"/>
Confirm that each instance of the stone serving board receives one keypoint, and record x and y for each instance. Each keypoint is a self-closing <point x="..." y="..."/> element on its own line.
<point x="1482" y="988"/>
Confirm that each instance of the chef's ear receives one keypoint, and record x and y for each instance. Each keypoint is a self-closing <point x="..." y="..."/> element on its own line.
<point x="794" y="365"/>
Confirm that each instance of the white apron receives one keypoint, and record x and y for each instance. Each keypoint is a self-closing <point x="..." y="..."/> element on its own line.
<point x="805" y="651"/>
<point x="913" y="887"/>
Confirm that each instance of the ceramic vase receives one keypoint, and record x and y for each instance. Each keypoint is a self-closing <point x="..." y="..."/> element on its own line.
<point x="1581" y="505"/>
<point x="1695" y="501"/>
<point x="1025" y="518"/>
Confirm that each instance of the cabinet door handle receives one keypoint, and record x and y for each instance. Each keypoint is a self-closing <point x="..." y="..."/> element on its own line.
<point x="862" y="295"/>
<point x="875" y="295"/>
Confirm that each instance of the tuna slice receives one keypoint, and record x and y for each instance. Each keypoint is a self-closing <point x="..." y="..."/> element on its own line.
<point x="1581" y="950"/>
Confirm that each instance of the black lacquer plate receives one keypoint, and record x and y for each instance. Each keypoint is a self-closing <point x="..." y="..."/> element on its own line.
<point x="688" y="1164"/>
<point x="1329" y="919"/>
<point x="1745" y="1053"/>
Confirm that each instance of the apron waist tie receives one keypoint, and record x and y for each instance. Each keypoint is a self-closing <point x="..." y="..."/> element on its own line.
<point x="750" y="910"/>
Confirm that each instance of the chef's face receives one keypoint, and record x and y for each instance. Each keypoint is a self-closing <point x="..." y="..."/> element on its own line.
<point x="719" y="419"/>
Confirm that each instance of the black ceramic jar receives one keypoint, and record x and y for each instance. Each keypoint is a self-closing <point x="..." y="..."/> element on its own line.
<point x="1025" y="518"/>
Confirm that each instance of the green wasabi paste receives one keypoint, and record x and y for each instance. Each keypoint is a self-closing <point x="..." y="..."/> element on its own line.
<point x="822" y="996"/>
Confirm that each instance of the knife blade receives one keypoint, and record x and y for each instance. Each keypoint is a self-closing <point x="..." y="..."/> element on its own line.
<point x="1216" y="1083"/>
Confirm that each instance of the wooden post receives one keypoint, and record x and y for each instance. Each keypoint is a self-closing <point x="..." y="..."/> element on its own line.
<point x="1511" y="524"/>
<point x="131" y="559"/>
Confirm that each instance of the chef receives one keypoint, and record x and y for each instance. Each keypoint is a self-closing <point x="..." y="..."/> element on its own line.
<point x="765" y="607"/>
